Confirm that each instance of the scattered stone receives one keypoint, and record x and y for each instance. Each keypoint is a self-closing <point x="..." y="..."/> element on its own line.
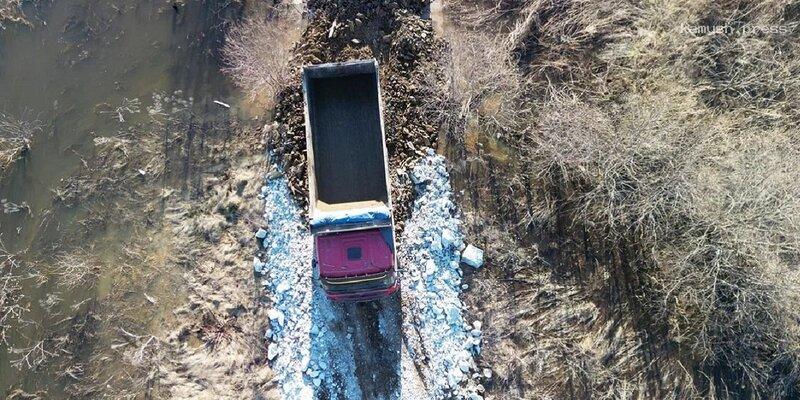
<point x="272" y="351"/>
<point x="276" y="316"/>
<point x="448" y="238"/>
<point x="464" y="367"/>
<point x="274" y="174"/>
<point x="301" y="319"/>
<point x="432" y="281"/>
<point x="258" y="266"/>
<point x="472" y="256"/>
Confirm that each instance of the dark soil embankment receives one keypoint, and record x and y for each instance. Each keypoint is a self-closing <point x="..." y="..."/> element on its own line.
<point x="403" y="43"/>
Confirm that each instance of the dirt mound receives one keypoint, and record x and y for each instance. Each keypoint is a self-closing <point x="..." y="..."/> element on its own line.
<point x="402" y="41"/>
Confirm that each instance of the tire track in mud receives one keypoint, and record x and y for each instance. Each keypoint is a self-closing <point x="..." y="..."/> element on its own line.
<point x="378" y="354"/>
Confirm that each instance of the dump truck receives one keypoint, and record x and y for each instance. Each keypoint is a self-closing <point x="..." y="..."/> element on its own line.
<point x="348" y="179"/>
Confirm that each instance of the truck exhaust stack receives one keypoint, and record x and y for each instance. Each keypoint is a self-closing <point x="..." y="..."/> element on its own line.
<point x="349" y="196"/>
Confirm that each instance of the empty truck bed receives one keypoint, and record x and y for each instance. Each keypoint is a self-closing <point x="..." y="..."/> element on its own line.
<point x="348" y="145"/>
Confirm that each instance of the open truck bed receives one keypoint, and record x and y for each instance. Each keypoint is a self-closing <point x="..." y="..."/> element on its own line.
<point x="346" y="141"/>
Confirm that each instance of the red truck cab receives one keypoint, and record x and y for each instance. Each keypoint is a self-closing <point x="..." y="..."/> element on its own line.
<point x="356" y="265"/>
<point x="349" y="196"/>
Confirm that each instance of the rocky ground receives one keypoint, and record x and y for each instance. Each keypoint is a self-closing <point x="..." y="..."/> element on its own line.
<point x="414" y="345"/>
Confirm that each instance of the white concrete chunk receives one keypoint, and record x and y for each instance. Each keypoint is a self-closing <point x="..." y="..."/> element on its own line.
<point x="472" y="256"/>
<point x="272" y="351"/>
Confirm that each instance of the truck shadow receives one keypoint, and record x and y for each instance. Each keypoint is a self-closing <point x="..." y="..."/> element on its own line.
<point x="361" y="347"/>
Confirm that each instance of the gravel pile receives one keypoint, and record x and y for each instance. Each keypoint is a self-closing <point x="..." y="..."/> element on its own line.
<point x="429" y="253"/>
<point x="403" y="43"/>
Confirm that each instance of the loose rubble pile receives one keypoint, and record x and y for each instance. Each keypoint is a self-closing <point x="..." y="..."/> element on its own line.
<point x="403" y="43"/>
<point x="431" y="276"/>
<point x="314" y="354"/>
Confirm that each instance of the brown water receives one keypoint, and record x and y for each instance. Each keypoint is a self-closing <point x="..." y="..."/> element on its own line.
<point x="81" y="60"/>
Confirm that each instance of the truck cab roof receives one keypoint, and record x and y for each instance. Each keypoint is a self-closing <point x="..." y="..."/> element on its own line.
<point x="355" y="253"/>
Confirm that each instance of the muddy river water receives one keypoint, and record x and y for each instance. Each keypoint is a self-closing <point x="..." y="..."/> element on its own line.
<point x="86" y="69"/>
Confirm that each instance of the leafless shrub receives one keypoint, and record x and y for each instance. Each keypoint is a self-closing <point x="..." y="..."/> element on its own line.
<point x="563" y="40"/>
<point x="11" y="305"/>
<point x="259" y="50"/>
<point x="751" y="64"/>
<point x="75" y="269"/>
<point x="19" y="394"/>
<point x="714" y="212"/>
<point x="553" y="40"/>
<point x="15" y="137"/>
<point x="31" y="357"/>
<point x="480" y="81"/>
<point x="127" y="106"/>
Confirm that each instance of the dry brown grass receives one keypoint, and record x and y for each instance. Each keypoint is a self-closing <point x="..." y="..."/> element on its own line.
<point x="713" y="214"/>
<point x="553" y="40"/>
<point x="11" y="306"/>
<point x="480" y="82"/>
<point x="492" y="14"/>
<point x="752" y="66"/>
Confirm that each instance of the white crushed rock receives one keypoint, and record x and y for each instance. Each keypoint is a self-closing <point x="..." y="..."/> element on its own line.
<point x="311" y="354"/>
<point x="431" y="278"/>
